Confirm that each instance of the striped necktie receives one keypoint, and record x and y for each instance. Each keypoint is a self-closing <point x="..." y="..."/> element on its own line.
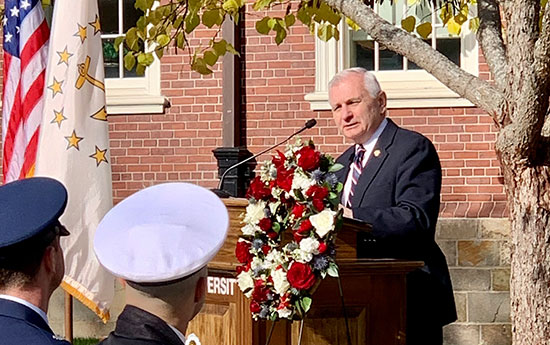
<point x="356" y="168"/>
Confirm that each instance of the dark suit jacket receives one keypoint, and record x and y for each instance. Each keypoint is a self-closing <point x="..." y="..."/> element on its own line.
<point x="136" y="326"/>
<point x="20" y="325"/>
<point x="398" y="193"/>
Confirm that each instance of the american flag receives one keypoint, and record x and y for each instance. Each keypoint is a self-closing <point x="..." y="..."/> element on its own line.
<point x="26" y="35"/>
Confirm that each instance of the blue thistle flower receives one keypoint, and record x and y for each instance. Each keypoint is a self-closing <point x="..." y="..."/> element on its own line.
<point x="317" y="175"/>
<point x="332" y="179"/>
<point x="320" y="263"/>
<point x="257" y="244"/>
<point x="264" y="312"/>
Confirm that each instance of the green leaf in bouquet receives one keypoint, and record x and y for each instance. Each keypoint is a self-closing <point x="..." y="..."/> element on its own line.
<point x="305" y="303"/>
<point x="298" y="194"/>
<point x="333" y="270"/>
<point x="273" y="316"/>
<point x="336" y="167"/>
<point x="332" y="196"/>
<point x="276" y="227"/>
<point x="339" y="187"/>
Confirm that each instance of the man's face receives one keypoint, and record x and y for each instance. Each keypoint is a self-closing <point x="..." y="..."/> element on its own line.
<point x="356" y="113"/>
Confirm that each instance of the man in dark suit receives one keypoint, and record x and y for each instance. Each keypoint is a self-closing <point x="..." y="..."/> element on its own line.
<point x="392" y="180"/>
<point x="31" y="259"/>
<point x="158" y="242"/>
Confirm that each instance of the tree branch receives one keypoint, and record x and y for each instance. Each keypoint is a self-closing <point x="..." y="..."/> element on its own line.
<point x="490" y="39"/>
<point x="542" y="58"/>
<point x="477" y="91"/>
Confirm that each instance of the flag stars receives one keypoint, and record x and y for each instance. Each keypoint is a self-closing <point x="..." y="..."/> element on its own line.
<point x="25" y="4"/>
<point x="99" y="156"/>
<point x="96" y="25"/>
<point x="14" y="11"/>
<point x="81" y="33"/>
<point x="8" y="37"/>
<point x="56" y="87"/>
<point x="58" y="117"/>
<point x="64" y="57"/>
<point x="73" y="140"/>
<point x="4" y="21"/>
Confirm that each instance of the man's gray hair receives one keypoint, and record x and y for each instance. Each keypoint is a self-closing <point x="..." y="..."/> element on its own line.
<point x="369" y="80"/>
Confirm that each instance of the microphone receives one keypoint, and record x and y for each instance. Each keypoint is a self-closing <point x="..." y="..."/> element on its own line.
<point x="223" y="194"/>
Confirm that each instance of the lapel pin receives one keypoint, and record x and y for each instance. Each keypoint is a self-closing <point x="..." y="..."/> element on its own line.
<point x="376" y="153"/>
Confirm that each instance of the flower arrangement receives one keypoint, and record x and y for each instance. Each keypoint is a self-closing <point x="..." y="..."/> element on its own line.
<point x="297" y="192"/>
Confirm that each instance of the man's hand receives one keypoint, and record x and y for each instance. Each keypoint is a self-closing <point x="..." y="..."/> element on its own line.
<point x="347" y="211"/>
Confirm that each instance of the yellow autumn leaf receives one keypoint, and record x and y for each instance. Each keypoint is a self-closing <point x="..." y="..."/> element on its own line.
<point x="460" y="19"/>
<point x="424" y="29"/>
<point x="408" y="23"/>
<point x="353" y="25"/>
<point x="453" y="27"/>
<point x="446" y="13"/>
<point x="474" y="24"/>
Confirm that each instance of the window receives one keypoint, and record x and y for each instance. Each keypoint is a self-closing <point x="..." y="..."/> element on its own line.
<point x="405" y="83"/>
<point x="127" y="93"/>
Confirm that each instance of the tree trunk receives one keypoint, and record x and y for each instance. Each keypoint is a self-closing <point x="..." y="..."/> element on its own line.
<point x="528" y="191"/>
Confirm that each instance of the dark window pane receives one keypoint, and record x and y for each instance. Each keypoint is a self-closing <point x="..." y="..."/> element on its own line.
<point x="131" y="14"/>
<point x="450" y="47"/>
<point x="110" y="57"/>
<point x="390" y="61"/>
<point x="364" y="51"/>
<point x="108" y="14"/>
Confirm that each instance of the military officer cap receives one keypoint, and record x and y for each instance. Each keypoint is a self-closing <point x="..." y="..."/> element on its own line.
<point x="29" y="210"/>
<point x="162" y="233"/>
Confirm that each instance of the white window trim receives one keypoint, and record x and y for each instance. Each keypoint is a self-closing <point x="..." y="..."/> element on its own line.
<point x="135" y="95"/>
<point x="410" y="89"/>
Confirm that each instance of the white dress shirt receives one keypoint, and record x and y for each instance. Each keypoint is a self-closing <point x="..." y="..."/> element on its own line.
<point x="369" y="147"/>
<point x="39" y="311"/>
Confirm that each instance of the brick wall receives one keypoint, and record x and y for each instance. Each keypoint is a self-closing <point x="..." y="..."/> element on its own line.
<point x="177" y="146"/>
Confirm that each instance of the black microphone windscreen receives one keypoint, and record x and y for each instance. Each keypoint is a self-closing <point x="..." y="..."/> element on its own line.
<point x="310" y="123"/>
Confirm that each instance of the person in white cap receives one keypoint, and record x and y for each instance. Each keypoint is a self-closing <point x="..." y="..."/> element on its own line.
<point x="159" y="241"/>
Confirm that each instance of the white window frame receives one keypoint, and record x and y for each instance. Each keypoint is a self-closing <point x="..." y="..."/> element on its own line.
<point x="405" y="89"/>
<point x="135" y="95"/>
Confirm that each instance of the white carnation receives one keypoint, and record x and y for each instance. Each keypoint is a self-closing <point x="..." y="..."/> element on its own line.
<point x="274" y="258"/>
<point x="301" y="182"/>
<point x="323" y="222"/>
<point x="249" y="230"/>
<point x="309" y="245"/>
<point x="273" y="206"/>
<point x="301" y="255"/>
<point x="284" y="313"/>
<point x="256" y="263"/>
<point x="280" y="283"/>
<point x="254" y="212"/>
<point x="245" y="281"/>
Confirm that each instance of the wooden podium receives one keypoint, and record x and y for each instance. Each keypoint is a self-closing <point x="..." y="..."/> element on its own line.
<point x="373" y="289"/>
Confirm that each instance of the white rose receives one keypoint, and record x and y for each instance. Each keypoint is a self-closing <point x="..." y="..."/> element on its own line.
<point x="254" y="212"/>
<point x="245" y="281"/>
<point x="284" y="313"/>
<point x="274" y="258"/>
<point x="273" y="207"/>
<point x="256" y="263"/>
<point x="280" y="283"/>
<point x="310" y="245"/>
<point x="323" y="222"/>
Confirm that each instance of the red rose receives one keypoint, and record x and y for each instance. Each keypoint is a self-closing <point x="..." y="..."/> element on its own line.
<point x="242" y="252"/>
<point x="265" y="249"/>
<point x="318" y="195"/>
<point x="258" y="190"/>
<point x="272" y="234"/>
<point x="300" y="276"/>
<point x="308" y="158"/>
<point x="318" y="204"/>
<point x="260" y="293"/>
<point x="265" y="224"/>
<point x="298" y="210"/>
<point x="322" y="247"/>
<point x="284" y="178"/>
<point x="240" y="269"/>
<point x="255" y="307"/>
<point x="305" y="227"/>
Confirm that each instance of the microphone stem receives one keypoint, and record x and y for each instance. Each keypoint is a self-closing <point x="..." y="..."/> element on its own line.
<point x="256" y="155"/>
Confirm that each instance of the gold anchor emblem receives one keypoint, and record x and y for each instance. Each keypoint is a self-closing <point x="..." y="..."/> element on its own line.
<point x="84" y="76"/>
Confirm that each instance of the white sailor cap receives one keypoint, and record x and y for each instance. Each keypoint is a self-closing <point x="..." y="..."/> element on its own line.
<point x="162" y="233"/>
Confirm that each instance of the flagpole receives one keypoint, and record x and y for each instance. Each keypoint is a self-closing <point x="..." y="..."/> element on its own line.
<point x="68" y="317"/>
